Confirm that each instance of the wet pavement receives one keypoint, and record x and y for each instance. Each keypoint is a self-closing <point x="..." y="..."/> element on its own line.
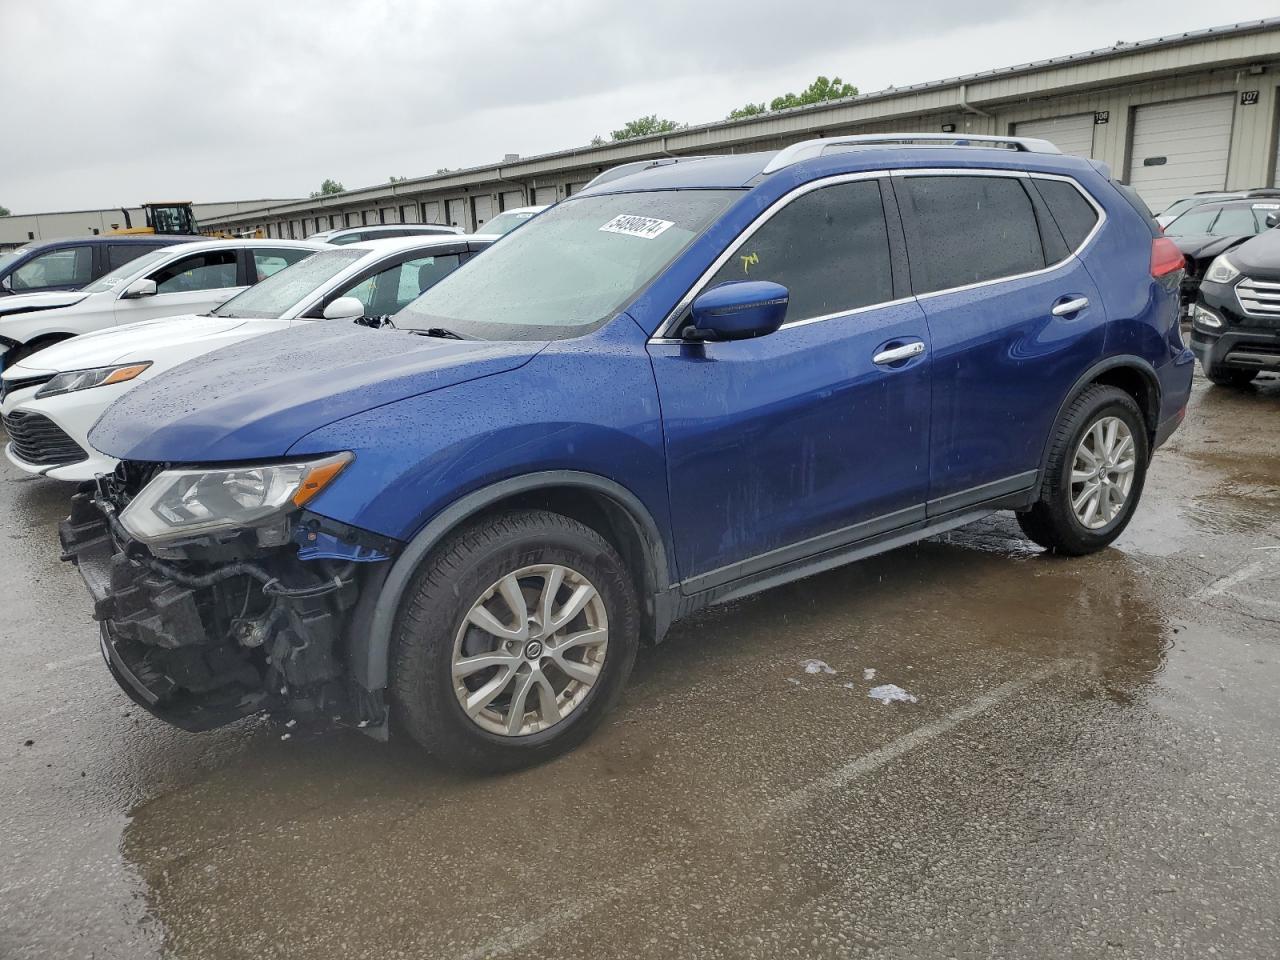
<point x="1092" y="767"/>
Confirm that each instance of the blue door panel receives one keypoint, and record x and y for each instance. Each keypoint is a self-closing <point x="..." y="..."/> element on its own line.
<point x="786" y="437"/>
<point x="1001" y="364"/>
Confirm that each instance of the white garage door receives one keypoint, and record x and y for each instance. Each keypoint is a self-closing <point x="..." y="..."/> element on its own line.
<point x="1180" y="148"/>
<point x="1072" y="134"/>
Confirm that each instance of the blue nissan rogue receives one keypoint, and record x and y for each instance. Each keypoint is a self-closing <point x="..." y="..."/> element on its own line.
<point x="694" y="380"/>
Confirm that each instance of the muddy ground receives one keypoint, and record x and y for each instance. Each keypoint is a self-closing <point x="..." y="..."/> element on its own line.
<point x="1092" y="768"/>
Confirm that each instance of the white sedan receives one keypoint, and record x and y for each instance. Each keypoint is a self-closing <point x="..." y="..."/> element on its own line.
<point x="183" y="278"/>
<point x="50" y="400"/>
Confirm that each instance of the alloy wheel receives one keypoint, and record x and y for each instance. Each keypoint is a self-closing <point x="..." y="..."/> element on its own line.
<point x="530" y="650"/>
<point x="1102" y="472"/>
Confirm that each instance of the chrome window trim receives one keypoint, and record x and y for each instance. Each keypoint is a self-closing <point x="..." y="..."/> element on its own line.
<point x="666" y="328"/>
<point x="663" y="335"/>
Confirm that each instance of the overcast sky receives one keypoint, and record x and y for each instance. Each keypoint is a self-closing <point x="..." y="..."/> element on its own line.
<point x="110" y="102"/>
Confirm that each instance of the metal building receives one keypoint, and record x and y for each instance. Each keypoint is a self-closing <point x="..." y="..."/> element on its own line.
<point x="22" y="228"/>
<point x="1174" y="115"/>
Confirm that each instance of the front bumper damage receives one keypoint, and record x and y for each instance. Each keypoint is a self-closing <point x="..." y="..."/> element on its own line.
<point x="217" y="630"/>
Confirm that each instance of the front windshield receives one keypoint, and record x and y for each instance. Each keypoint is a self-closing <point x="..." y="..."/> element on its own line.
<point x="506" y="222"/>
<point x="568" y="270"/>
<point x="109" y="281"/>
<point x="9" y="258"/>
<point x="275" y="296"/>
<point x="1237" y="221"/>
<point x="1180" y="206"/>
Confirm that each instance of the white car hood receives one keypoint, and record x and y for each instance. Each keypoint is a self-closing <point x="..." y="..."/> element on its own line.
<point x="21" y="302"/>
<point x="166" y="342"/>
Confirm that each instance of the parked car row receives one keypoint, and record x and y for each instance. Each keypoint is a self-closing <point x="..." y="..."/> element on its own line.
<point x="658" y="394"/>
<point x="49" y="400"/>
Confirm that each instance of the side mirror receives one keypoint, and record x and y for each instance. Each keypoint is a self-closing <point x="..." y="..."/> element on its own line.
<point x="139" y="288"/>
<point x="5" y="285"/>
<point x="1272" y="220"/>
<point x="738" y="310"/>
<point x="344" y="308"/>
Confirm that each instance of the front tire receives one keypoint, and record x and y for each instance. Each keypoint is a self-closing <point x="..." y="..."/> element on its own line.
<point x="1231" y="377"/>
<point x="1095" y="474"/>
<point x="513" y="642"/>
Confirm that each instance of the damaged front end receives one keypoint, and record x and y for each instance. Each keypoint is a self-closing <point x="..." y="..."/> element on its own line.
<point x="219" y="596"/>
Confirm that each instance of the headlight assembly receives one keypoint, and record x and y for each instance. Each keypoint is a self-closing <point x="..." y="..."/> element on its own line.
<point x="74" y="380"/>
<point x="1204" y="318"/>
<point x="183" y="503"/>
<point x="1221" y="270"/>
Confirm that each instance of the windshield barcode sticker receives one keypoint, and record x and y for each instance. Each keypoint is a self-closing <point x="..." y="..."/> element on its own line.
<point x="633" y="226"/>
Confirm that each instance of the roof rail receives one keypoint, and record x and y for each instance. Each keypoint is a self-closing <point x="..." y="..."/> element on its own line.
<point x="636" y="166"/>
<point x="808" y="149"/>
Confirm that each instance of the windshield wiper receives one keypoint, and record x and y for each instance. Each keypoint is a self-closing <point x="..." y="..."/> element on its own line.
<point x="440" y="332"/>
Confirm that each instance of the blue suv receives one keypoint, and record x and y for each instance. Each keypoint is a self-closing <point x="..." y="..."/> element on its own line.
<point x="694" y="380"/>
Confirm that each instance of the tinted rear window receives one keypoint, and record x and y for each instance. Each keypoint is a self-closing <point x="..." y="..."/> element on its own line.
<point x="1074" y="214"/>
<point x="967" y="229"/>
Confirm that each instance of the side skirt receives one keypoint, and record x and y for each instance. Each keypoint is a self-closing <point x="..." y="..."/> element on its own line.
<point x="680" y="604"/>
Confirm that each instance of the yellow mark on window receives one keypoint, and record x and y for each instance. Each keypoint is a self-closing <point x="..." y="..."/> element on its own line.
<point x="749" y="260"/>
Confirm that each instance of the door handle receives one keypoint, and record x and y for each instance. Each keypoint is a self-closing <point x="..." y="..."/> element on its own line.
<point x="1070" y="306"/>
<point x="894" y="354"/>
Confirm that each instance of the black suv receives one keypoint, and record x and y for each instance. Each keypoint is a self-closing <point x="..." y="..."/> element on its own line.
<point x="1236" y="317"/>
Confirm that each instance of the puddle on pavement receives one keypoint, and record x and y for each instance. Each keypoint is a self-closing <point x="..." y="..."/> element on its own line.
<point x="396" y="852"/>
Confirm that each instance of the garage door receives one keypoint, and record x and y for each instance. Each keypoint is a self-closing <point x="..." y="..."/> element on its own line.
<point x="1180" y="148"/>
<point x="1072" y="134"/>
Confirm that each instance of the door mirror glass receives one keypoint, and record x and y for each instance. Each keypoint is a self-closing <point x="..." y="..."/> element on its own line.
<point x="139" y="288"/>
<point x="738" y="310"/>
<point x="344" y="308"/>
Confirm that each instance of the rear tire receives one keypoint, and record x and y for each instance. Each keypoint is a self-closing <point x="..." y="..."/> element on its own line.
<point x="1230" y="377"/>
<point x="1094" y="477"/>
<point x="487" y="592"/>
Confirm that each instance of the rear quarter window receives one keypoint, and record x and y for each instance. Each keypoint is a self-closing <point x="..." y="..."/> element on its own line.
<point x="1074" y="215"/>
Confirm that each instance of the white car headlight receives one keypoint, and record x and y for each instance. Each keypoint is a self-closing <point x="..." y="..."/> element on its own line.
<point x="74" y="380"/>
<point x="1221" y="270"/>
<point x="182" y="503"/>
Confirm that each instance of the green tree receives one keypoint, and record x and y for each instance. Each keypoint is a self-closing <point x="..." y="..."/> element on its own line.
<point x="327" y="188"/>
<point x="440" y="170"/>
<point x="820" y="91"/>
<point x="396" y="179"/>
<point x="4" y="211"/>
<point x="644" y="127"/>
<point x="597" y="141"/>
<point x="747" y="110"/>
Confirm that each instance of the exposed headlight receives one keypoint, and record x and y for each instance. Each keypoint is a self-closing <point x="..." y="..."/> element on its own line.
<point x="74" y="380"/>
<point x="1221" y="270"/>
<point x="184" y="503"/>
<point x="1204" y="318"/>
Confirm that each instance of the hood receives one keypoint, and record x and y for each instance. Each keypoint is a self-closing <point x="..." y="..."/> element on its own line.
<point x="1260" y="256"/>
<point x="1204" y="247"/>
<point x="31" y="302"/>
<point x="256" y="399"/>
<point x="148" y="340"/>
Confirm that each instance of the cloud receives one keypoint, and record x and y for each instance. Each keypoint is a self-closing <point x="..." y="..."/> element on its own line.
<point x="120" y="101"/>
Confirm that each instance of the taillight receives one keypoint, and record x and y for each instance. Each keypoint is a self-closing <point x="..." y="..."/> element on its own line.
<point x="1166" y="258"/>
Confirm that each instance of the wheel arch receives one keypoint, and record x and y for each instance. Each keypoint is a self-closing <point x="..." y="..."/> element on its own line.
<point x="600" y="503"/>
<point x="1132" y="374"/>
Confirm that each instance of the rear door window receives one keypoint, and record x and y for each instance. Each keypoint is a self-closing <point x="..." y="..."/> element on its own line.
<point x="829" y="247"/>
<point x="211" y="270"/>
<point x="64" y="267"/>
<point x="269" y="261"/>
<point x="118" y="254"/>
<point x="963" y="230"/>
